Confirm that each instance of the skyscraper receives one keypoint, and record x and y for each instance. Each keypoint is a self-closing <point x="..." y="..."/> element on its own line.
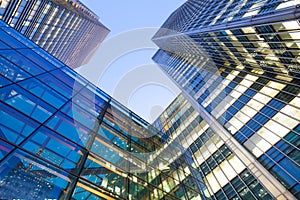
<point x="237" y="64"/>
<point x="63" y="138"/>
<point x="214" y="165"/>
<point x="67" y="29"/>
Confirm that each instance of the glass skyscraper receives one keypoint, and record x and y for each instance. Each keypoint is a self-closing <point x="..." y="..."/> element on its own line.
<point x="215" y="166"/>
<point x="237" y="63"/>
<point x="63" y="138"/>
<point x="67" y="29"/>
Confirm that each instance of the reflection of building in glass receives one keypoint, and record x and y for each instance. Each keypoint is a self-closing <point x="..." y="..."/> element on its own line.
<point x="237" y="63"/>
<point x="63" y="138"/>
<point x="66" y="29"/>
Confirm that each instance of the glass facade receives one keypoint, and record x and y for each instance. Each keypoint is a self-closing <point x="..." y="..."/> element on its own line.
<point x="66" y="29"/>
<point x="237" y="64"/>
<point x="63" y="138"/>
<point x="213" y="164"/>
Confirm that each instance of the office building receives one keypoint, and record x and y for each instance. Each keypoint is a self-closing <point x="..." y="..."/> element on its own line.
<point x="237" y="63"/>
<point x="63" y="138"/>
<point x="213" y="164"/>
<point x="67" y="29"/>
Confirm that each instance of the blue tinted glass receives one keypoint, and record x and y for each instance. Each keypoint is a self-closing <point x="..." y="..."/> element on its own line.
<point x="4" y="147"/>
<point x="56" y="84"/>
<point x="84" y="117"/>
<point x="21" y="61"/>
<point x="275" y="154"/>
<point x="14" y="126"/>
<point x="296" y="191"/>
<point x="18" y="36"/>
<point x="4" y="46"/>
<point x="32" y="177"/>
<point x="37" y="59"/>
<point x="48" y="57"/>
<point x="11" y="71"/>
<point x="26" y="102"/>
<point x="240" y="137"/>
<point x="282" y="176"/>
<point x="276" y="104"/>
<point x="63" y="77"/>
<point x="230" y="87"/>
<point x="11" y="41"/>
<point x="262" y="119"/>
<point x="89" y="118"/>
<point x="291" y="167"/>
<point x="234" y="108"/>
<point x="78" y="81"/>
<point x="208" y="108"/>
<point x="266" y="161"/>
<point x="91" y="107"/>
<point x="69" y="128"/>
<point x="46" y="93"/>
<point x="268" y="111"/>
<point x="56" y="149"/>
<point x="4" y="81"/>
<point x="250" y="92"/>
<point x="100" y="96"/>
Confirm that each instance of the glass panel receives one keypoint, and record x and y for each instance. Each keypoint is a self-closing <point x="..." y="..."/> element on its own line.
<point x="5" y="148"/>
<point x="4" y="81"/>
<point x="85" y="190"/>
<point x="21" y="61"/>
<point x="4" y="46"/>
<point x="62" y="77"/>
<point x="69" y="128"/>
<point x="44" y="92"/>
<point x="99" y="93"/>
<point x="58" y="85"/>
<point x="92" y="107"/>
<point x="15" y="126"/>
<point x="11" y="41"/>
<point x="56" y="149"/>
<point x="48" y="57"/>
<point x="17" y="35"/>
<point x="26" y="102"/>
<point x="10" y="71"/>
<point x="96" y="173"/>
<point x="109" y="154"/>
<point x="22" y="175"/>
<point x="37" y="59"/>
<point x="77" y="81"/>
<point x="290" y="167"/>
<point x="82" y="116"/>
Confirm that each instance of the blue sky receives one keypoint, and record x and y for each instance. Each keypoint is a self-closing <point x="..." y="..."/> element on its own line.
<point x="126" y="71"/>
